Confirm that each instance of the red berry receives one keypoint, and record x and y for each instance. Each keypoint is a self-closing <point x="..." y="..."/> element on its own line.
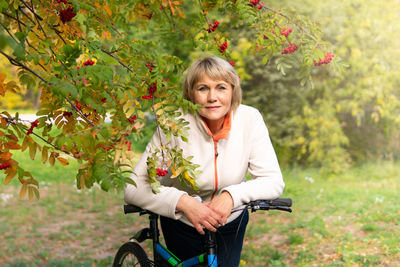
<point x="5" y="166"/>
<point x="67" y="14"/>
<point x="161" y="172"/>
<point x="223" y="47"/>
<point x="88" y="63"/>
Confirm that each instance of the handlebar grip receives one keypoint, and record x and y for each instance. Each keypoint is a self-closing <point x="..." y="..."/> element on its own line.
<point x="131" y="209"/>
<point x="287" y="202"/>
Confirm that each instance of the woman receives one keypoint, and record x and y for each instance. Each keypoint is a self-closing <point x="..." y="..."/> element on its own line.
<point x="227" y="140"/>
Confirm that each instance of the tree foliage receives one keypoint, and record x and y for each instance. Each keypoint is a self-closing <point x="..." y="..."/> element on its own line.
<point x="102" y="66"/>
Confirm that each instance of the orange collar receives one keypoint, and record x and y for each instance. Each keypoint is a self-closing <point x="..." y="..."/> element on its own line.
<point x="224" y="132"/>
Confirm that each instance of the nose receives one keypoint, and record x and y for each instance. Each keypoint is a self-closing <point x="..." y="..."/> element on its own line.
<point x="211" y="96"/>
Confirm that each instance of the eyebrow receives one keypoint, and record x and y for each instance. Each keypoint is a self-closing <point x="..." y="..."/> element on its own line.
<point x="218" y="84"/>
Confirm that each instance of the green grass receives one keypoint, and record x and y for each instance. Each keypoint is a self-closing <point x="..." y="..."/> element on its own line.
<point x="351" y="219"/>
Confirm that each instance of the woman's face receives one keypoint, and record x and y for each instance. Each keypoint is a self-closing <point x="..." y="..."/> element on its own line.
<point x="215" y="96"/>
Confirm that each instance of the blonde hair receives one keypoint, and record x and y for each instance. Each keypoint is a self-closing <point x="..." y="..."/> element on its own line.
<point x="217" y="69"/>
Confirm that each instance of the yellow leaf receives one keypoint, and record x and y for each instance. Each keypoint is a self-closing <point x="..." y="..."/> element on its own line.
<point x="32" y="150"/>
<point x="11" y="173"/>
<point x="117" y="156"/>
<point x="52" y="159"/>
<point x="30" y="193"/>
<point x="36" y="192"/>
<point x="22" y="193"/>
<point x="63" y="161"/>
<point x="45" y="154"/>
<point x="188" y="178"/>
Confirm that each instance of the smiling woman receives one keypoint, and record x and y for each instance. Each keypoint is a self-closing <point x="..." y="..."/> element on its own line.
<point x="227" y="140"/>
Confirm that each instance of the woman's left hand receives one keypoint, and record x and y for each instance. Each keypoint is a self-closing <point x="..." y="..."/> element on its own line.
<point x="222" y="205"/>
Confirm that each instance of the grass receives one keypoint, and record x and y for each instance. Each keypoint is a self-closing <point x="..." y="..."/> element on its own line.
<point x="344" y="220"/>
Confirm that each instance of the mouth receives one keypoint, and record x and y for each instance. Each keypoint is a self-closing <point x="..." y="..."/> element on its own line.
<point x="212" y="107"/>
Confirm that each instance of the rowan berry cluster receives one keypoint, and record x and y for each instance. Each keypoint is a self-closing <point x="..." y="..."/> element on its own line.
<point x="62" y="1"/>
<point x="77" y="105"/>
<point x="151" y="91"/>
<point x="161" y="172"/>
<point x="290" y="49"/>
<point x="256" y="4"/>
<point x="132" y="119"/>
<point x="88" y="63"/>
<point x="326" y="60"/>
<point x="223" y="47"/>
<point x="67" y="14"/>
<point x="5" y="166"/>
<point x="33" y="125"/>
<point x="129" y="143"/>
<point x="286" y="31"/>
<point x="213" y="27"/>
<point x="150" y="65"/>
<point x="232" y="63"/>
<point x="103" y="100"/>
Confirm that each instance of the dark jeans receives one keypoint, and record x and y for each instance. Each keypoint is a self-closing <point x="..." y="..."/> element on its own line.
<point x="185" y="242"/>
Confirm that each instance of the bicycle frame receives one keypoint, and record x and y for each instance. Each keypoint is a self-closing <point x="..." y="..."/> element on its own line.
<point x="159" y="250"/>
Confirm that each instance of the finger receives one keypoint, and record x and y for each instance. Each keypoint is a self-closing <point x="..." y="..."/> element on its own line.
<point x="209" y="227"/>
<point x="199" y="229"/>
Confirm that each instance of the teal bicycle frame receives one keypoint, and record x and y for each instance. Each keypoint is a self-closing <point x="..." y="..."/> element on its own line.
<point x="162" y="256"/>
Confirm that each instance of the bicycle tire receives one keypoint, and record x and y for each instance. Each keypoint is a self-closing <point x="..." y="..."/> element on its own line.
<point x="131" y="254"/>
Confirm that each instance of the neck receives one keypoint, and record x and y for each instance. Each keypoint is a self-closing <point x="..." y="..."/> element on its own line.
<point x="214" y="126"/>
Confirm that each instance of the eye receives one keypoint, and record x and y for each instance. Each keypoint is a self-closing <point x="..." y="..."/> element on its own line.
<point x="222" y="87"/>
<point x="202" y="88"/>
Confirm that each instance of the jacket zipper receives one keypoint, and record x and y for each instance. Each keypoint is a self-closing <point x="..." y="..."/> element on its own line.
<point x="215" y="168"/>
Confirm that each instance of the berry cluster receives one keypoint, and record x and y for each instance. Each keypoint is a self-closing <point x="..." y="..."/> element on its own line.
<point x="88" y="63"/>
<point x="33" y="125"/>
<point x="62" y="1"/>
<point x="213" y="27"/>
<point x="232" y="63"/>
<point x="67" y="14"/>
<point x="151" y="91"/>
<point x="132" y="119"/>
<point x="286" y="31"/>
<point x="150" y="65"/>
<point x="326" y="60"/>
<point x="223" y="47"/>
<point x="161" y="172"/>
<point x="256" y="4"/>
<point x="129" y="143"/>
<point x="77" y="105"/>
<point x="290" y="49"/>
<point x="5" y="166"/>
<point x="103" y="100"/>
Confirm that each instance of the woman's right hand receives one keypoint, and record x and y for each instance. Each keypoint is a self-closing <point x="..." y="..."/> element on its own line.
<point x="199" y="214"/>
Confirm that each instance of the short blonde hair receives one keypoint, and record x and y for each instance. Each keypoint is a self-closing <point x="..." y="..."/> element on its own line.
<point x="217" y="69"/>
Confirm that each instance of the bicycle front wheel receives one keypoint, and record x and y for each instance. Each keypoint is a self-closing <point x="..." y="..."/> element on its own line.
<point x="131" y="254"/>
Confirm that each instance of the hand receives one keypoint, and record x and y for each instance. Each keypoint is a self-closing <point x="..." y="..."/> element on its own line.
<point x="222" y="205"/>
<point x="199" y="214"/>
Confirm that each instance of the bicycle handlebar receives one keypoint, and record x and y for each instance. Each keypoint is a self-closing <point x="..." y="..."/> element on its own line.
<point x="282" y="204"/>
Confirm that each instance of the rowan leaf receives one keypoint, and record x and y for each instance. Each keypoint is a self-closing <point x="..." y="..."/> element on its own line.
<point x="22" y="192"/>
<point x="12" y="145"/>
<point x="63" y="161"/>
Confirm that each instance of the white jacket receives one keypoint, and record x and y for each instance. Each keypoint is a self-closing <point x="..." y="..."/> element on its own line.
<point x="247" y="148"/>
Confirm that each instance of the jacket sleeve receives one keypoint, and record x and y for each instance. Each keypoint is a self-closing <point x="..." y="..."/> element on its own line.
<point x="141" y="195"/>
<point x="267" y="182"/>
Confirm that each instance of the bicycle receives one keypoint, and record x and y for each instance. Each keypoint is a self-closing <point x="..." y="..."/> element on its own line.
<point x="132" y="254"/>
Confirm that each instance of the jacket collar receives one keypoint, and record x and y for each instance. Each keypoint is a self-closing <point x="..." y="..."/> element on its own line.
<point x="224" y="132"/>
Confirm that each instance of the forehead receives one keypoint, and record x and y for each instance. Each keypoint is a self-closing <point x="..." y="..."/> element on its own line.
<point x="207" y="79"/>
